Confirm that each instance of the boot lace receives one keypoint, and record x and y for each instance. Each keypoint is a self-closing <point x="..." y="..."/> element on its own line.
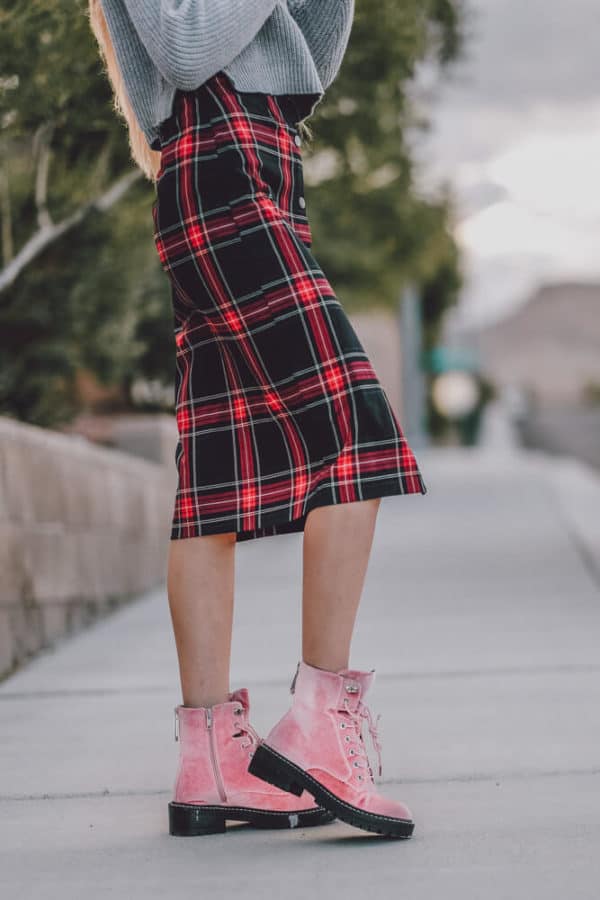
<point x="354" y="722"/>
<point x="245" y="729"/>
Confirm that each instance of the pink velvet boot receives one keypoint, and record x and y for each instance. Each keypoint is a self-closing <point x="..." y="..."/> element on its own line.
<point x="213" y="783"/>
<point x="318" y="746"/>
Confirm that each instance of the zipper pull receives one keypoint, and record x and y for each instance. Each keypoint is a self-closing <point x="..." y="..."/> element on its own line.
<point x="293" y="684"/>
<point x="208" y="717"/>
<point x="176" y="723"/>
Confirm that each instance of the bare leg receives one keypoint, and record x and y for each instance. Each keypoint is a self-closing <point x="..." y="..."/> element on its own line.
<point x="336" y="547"/>
<point x="200" y="584"/>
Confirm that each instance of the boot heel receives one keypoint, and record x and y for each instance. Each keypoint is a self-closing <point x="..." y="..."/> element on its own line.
<point x="266" y="765"/>
<point x="186" y="820"/>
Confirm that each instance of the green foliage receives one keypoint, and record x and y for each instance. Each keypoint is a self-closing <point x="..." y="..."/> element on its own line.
<point x="85" y="302"/>
<point x="372" y="230"/>
<point x="97" y="299"/>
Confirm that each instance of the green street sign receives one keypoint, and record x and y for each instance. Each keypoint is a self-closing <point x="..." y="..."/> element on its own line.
<point x="443" y="359"/>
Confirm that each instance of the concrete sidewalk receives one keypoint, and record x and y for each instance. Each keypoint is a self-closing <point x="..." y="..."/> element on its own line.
<point x="481" y="615"/>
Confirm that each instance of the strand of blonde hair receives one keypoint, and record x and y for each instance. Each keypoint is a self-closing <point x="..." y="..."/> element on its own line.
<point x="142" y="154"/>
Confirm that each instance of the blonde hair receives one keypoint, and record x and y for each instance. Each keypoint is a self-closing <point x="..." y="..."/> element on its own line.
<point x="147" y="159"/>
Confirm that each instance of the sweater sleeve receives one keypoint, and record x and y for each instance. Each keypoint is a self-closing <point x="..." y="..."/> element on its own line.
<point x="189" y="40"/>
<point x="326" y="26"/>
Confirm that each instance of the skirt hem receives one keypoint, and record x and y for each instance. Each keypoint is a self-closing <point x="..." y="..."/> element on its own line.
<point x="280" y="521"/>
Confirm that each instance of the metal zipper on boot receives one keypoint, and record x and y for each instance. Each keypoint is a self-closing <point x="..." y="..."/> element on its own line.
<point x="293" y="684"/>
<point x="213" y="755"/>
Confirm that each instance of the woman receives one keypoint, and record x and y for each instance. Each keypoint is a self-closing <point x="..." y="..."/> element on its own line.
<point x="283" y="424"/>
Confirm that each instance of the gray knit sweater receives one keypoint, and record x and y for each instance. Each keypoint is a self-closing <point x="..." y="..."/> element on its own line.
<point x="276" y="46"/>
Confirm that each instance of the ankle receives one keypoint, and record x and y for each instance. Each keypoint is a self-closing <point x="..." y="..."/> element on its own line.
<point x="333" y="664"/>
<point x="203" y="701"/>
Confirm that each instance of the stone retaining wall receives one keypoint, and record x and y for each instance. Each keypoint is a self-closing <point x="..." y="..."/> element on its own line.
<point x="82" y="530"/>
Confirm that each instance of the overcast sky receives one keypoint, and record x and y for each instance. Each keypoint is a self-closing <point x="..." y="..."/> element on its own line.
<point x="517" y="132"/>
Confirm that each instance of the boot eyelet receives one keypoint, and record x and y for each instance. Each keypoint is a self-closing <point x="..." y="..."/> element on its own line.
<point x="238" y="711"/>
<point x="342" y="724"/>
<point x="347" y="738"/>
<point x="360" y="778"/>
<point x="356" y="764"/>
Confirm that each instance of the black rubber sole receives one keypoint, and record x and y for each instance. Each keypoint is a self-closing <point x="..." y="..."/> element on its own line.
<point x="191" y="820"/>
<point x="271" y="766"/>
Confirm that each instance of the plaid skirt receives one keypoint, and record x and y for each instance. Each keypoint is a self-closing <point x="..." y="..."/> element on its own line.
<point x="278" y="407"/>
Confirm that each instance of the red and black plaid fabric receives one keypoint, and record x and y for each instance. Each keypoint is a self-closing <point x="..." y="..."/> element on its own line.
<point x="279" y="409"/>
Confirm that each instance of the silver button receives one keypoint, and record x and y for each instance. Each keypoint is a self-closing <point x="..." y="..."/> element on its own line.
<point x="297" y="140"/>
<point x="301" y="202"/>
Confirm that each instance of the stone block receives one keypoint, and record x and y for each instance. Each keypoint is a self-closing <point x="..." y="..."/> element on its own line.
<point x="51" y="558"/>
<point x="7" y="656"/>
<point x="55" y="622"/>
<point x="18" y="495"/>
<point x="151" y="437"/>
<point x="26" y="628"/>
<point x="15" y="577"/>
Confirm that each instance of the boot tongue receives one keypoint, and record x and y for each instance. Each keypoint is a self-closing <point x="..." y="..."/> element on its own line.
<point x="241" y="696"/>
<point x="356" y="685"/>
